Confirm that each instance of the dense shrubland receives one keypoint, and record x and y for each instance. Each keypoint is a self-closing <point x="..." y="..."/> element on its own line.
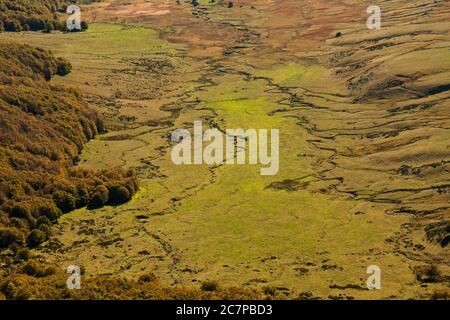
<point x="43" y="128"/>
<point x="35" y="280"/>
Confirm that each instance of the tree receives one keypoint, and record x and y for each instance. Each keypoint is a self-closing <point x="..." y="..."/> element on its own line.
<point x="83" y="196"/>
<point x="97" y="201"/>
<point x="20" y="210"/>
<point x="100" y="125"/>
<point x="119" y="194"/>
<point x="49" y="211"/>
<point x="9" y="236"/>
<point x="48" y="27"/>
<point x="23" y="254"/>
<point x="84" y="26"/>
<point x="103" y="191"/>
<point x="42" y="220"/>
<point x="64" y="201"/>
<point x="13" y="26"/>
<point x="35" y="238"/>
<point x="63" y="67"/>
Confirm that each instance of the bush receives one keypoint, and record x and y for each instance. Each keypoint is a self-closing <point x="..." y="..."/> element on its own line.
<point x="210" y="286"/>
<point x="440" y="295"/>
<point x="9" y="236"/>
<point x="270" y="291"/>
<point x="97" y="201"/>
<point x="83" y="196"/>
<point x="20" y="210"/>
<point x="427" y="274"/>
<point x="36" y="269"/>
<point x="49" y="211"/>
<point x="45" y="229"/>
<point x="65" y="201"/>
<point x="43" y="220"/>
<point x="23" y="254"/>
<point x="17" y="223"/>
<point x="84" y="26"/>
<point x="49" y="27"/>
<point x="103" y="190"/>
<point x="63" y="67"/>
<point x="35" y="238"/>
<point x="13" y="26"/>
<point x="148" y="278"/>
<point x="119" y="194"/>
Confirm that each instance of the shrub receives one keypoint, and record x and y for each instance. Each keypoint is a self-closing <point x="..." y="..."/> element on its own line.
<point x="83" y="196"/>
<point x="20" y="210"/>
<point x="119" y="194"/>
<point x="43" y="220"/>
<point x="35" y="238"/>
<point x="9" y="236"/>
<point x="23" y="254"/>
<point x="4" y="219"/>
<point x="210" y="286"/>
<point x="100" y="125"/>
<point x="45" y="229"/>
<point x="148" y="278"/>
<point x="36" y="269"/>
<point x="84" y="26"/>
<point x="65" y="201"/>
<point x="63" y="67"/>
<point x="13" y="26"/>
<point x="97" y="201"/>
<point x="103" y="191"/>
<point x="17" y="223"/>
<point x="49" y="211"/>
<point x="270" y="291"/>
<point x="440" y="295"/>
<point x="427" y="273"/>
<point x="49" y="27"/>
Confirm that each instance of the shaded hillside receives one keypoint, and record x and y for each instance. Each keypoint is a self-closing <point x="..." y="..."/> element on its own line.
<point x="43" y="129"/>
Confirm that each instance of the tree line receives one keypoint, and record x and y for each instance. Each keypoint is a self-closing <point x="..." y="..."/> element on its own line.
<point x="35" y="15"/>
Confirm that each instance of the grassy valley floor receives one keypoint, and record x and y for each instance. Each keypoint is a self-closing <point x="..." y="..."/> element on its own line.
<point x="340" y="201"/>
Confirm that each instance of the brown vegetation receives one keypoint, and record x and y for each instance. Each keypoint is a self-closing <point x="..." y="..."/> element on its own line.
<point x="34" y="280"/>
<point x="26" y="15"/>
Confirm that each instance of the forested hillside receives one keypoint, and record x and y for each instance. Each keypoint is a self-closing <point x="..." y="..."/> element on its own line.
<point x="43" y="128"/>
<point x="25" y="15"/>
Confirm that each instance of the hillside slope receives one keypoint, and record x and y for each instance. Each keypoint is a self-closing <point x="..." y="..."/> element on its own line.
<point x="43" y="128"/>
